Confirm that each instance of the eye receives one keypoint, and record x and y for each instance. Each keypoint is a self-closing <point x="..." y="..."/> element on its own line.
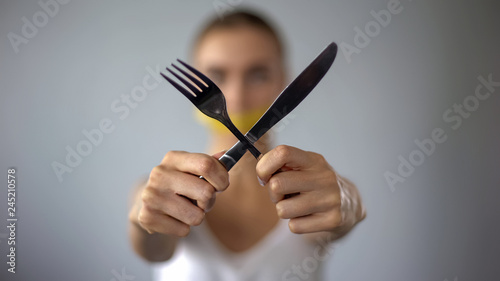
<point x="258" y="76"/>
<point x="216" y="76"/>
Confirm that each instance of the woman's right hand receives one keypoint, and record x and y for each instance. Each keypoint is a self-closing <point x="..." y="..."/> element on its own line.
<point x="166" y="205"/>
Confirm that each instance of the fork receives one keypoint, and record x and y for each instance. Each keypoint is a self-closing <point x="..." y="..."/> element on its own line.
<point x="208" y="98"/>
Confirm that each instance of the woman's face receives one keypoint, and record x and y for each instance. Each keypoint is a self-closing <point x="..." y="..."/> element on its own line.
<point x="245" y="63"/>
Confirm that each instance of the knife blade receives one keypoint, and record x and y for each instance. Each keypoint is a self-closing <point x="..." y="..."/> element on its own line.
<point x="289" y="98"/>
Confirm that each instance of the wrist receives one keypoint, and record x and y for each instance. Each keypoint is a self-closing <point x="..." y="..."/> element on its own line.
<point x="351" y="207"/>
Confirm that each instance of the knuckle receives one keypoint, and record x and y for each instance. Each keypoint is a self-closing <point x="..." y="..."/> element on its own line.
<point x="206" y="165"/>
<point x="226" y="182"/>
<point x="132" y="217"/>
<point x="319" y="158"/>
<point x="196" y="218"/>
<point x="155" y="176"/>
<point x="160" y="181"/>
<point x="206" y="192"/>
<point x="169" y="156"/>
<point x="295" y="227"/>
<point x="147" y="197"/>
<point x="327" y="179"/>
<point x="145" y="218"/>
<point x="281" y="211"/>
<point x="183" y="231"/>
<point x="276" y="185"/>
<point x="332" y="177"/>
<point x="209" y="205"/>
<point x="330" y="201"/>
<point x="283" y="152"/>
<point x="335" y="199"/>
<point x="334" y="219"/>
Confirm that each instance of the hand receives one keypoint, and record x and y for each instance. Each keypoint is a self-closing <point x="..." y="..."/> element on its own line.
<point x="166" y="199"/>
<point x="304" y="188"/>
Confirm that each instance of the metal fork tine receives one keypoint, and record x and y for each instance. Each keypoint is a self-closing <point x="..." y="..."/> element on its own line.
<point x="189" y="85"/>
<point x="207" y="98"/>
<point x="190" y="77"/>
<point x="181" y="89"/>
<point x="199" y="74"/>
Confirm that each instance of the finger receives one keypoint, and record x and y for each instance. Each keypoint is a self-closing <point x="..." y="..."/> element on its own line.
<point x="182" y="183"/>
<point x="209" y="205"/>
<point x="194" y="188"/>
<point x="288" y="182"/>
<point x="282" y="156"/>
<point x="326" y="221"/>
<point x="155" y="222"/>
<point x="219" y="154"/>
<point x="304" y="204"/>
<point x="201" y="165"/>
<point x="173" y="205"/>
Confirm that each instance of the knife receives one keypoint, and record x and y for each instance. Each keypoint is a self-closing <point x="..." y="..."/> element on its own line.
<point x="289" y="98"/>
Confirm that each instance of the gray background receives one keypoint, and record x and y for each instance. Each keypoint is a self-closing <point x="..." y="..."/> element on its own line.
<point x="441" y="223"/>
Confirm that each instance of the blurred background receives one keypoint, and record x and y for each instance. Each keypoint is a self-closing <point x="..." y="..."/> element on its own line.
<point x="65" y="72"/>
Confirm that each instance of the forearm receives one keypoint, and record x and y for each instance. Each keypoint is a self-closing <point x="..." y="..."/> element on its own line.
<point x="152" y="247"/>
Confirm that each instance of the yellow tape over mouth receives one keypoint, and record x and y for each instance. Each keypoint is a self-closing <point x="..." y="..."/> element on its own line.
<point x="243" y="121"/>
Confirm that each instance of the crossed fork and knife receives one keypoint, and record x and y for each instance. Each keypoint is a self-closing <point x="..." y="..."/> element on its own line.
<point x="209" y="99"/>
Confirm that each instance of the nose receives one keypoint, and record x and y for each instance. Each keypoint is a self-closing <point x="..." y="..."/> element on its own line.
<point x="236" y="95"/>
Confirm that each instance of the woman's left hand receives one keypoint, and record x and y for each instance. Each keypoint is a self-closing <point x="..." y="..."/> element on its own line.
<point x="304" y="188"/>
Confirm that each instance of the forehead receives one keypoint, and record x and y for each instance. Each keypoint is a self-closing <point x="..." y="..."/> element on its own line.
<point x="237" y="46"/>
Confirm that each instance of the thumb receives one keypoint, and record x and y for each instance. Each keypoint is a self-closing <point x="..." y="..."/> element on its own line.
<point x="219" y="154"/>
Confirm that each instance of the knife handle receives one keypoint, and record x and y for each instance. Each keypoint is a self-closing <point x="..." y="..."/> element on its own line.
<point x="233" y="155"/>
<point x="229" y="159"/>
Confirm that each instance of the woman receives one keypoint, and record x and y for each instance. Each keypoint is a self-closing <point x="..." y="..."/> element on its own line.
<point x="250" y="232"/>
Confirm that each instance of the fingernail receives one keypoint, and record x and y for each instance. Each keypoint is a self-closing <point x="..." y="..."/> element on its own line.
<point x="261" y="182"/>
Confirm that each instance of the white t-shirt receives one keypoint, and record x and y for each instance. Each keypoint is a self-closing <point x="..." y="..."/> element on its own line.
<point x="281" y="255"/>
